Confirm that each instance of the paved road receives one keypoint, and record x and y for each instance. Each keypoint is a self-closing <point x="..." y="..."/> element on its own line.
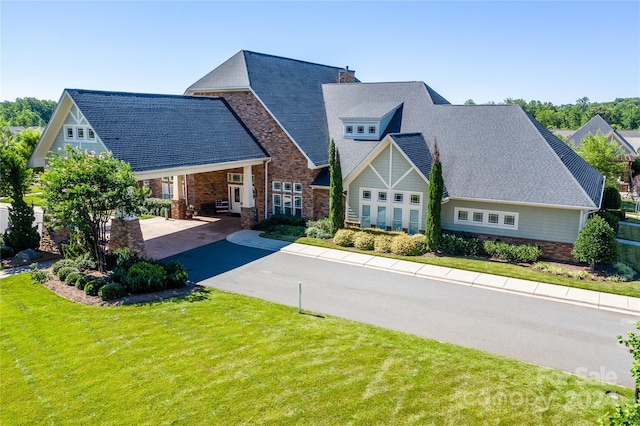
<point x="571" y="338"/>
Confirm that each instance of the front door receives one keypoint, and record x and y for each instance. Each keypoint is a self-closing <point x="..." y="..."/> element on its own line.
<point x="235" y="198"/>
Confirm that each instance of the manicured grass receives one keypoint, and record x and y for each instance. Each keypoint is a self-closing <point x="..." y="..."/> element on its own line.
<point x="631" y="288"/>
<point x="33" y="199"/>
<point x="626" y="232"/>
<point x="219" y="358"/>
<point x="629" y="254"/>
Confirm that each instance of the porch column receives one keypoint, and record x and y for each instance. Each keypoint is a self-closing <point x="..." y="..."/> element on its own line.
<point x="248" y="212"/>
<point x="178" y="202"/>
<point x="126" y="233"/>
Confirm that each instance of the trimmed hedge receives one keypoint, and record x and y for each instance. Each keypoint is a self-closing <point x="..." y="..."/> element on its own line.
<point x="176" y="274"/>
<point x="72" y="278"/>
<point x="112" y="291"/>
<point x="513" y="253"/>
<point x="382" y="243"/>
<point x="93" y="287"/>
<point x="62" y="263"/>
<point x="364" y="241"/>
<point x="463" y="244"/>
<point x="146" y="277"/>
<point x="344" y="237"/>
<point x="82" y="282"/>
<point x="66" y="270"/>
<point x="405" y="245"/>
<point x="156" y="206"/>
<point x="281" y="219"/>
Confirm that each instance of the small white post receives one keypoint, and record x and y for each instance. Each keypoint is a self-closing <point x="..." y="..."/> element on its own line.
<point x="299" y="297"/>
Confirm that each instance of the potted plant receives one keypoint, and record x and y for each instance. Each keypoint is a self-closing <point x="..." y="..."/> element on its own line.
<point x="189" y="213"/>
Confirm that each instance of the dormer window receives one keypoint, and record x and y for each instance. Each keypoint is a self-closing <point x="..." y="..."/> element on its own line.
<point x="368" y="121"/>
<point x="91" y="134"/>
<point x="70" y="133"/>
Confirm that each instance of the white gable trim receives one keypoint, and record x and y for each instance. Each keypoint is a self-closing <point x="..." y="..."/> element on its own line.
<point x="55" y="125"/>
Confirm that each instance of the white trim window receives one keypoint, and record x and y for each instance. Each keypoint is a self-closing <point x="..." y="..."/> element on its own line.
<point x="78" y="133"/>
<point x="394" y="210"/>
<point x="485" y="218"/>
<point x="283" y="200"/>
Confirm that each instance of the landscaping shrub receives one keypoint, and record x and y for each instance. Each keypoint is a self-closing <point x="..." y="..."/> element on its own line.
<point x="62" y="263"/>
<point x="123" y="257"/>
<point x="176" y="274"/>
<point x="72" y="278"/>
<point x="364" y="241"/>
<point x="625" y="272"/>
<point x="289" y="230"/>
<point x="464" y="244"/>
<point x="119" y="275"/>
<point x="6" y="251"/>
<point x="85" y="262"/>
<point x="38" y="276"/>
<point x="93" y="287"/>
<point x="612" y="219"/>
<point x="318" y="233"/>
<point x="523" y="253"/>
<point x="112" y="291"/>
<point x="344" y="237"/>
<point x="280" y="219"/>
<point x="156" y="206"/>
<point x="596" y="243"/>
<point x="319" y="229"/>
<point x="611" y="199"/>
<point x="382" y="243"/>
<point x="146" y="277"/>
<point x="82" y="282"/>
<point x="66" y="270"/>
<point x="404" y="245"/>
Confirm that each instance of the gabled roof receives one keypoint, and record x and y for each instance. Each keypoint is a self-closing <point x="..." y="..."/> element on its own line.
<point x="291" y="90"/>
<point x="156" y="132"/>
<point x="596" y="124"/>
<point x="488" y="152"/>
<point x="417" y="150"/>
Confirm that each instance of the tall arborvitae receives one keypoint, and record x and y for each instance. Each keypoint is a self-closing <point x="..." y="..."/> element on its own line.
<point x="433" y="230"/>
<point x="336" y="207"/>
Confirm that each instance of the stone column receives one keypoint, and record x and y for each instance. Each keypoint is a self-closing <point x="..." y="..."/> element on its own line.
<point x="127" y="233"/>
<point x="178" y="202"/>
<point x="248" y="211"/>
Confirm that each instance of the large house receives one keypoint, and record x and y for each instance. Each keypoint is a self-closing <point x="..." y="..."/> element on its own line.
<point x="254" y="133"/>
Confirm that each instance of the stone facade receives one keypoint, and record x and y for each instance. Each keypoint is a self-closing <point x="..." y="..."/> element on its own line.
<point x="347" y="76"/>
<point x="51" y="240"/>
<point x="288" y="163"/>
<point x="127" y="233"/>
<point x="320" y="203"/>
<point x="248" y="217"/>
<point x="178" y="209"/>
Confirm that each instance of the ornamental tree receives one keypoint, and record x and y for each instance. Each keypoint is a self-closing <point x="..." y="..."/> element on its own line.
<point x="602" y="155"/>
<point x="83" y="190"/>
<point x="596" y="243"/>
<point x="336" y="207"/>
<point x="433" y="230"/>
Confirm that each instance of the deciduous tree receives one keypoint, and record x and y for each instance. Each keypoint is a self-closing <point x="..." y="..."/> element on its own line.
<point x="83" y="190"/>
<point x="602" y="155"/>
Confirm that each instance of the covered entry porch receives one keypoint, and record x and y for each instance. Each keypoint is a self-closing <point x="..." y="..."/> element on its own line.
<point x="229" y="188"/>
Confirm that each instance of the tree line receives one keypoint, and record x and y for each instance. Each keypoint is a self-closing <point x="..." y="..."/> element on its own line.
<point x="622" y="113"/>
<point x="27" y="112"/>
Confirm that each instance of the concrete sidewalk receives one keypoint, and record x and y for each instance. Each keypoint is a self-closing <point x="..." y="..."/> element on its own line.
<point x="576" y="296"/>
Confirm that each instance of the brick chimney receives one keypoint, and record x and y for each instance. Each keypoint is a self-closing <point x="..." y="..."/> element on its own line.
<point x="347" y="76"/>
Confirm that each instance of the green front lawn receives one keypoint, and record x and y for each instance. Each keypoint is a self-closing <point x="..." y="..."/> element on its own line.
<point x="219" y="358"/>
<point x="631" y="288"/>
<point x="626" y="232"/>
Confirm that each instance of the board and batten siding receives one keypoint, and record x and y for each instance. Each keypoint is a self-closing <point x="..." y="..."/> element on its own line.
<point x="73" y="118"/>
<point x="387" y="171"/>
<point x="536" y="223"/>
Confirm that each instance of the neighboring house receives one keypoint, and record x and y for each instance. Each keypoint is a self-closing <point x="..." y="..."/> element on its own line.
<point x="18" y="129"/>
<point x="629" y="151"/>
<point x="506" y="176"/>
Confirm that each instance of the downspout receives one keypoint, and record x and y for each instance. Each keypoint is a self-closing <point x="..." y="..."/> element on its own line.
<point x="266" y="188"/>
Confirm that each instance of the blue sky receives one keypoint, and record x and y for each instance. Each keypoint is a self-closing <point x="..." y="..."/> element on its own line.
<point x="556" y="51"/>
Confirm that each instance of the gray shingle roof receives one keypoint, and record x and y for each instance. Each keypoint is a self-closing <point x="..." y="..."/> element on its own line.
<point x="596" y="124"/>
<point x="292" y="90"/>
<point x="155" y="132"/>
<point x="372" y="110"/>
<point x="488" y="152"/>
<point x="417" y="149"/>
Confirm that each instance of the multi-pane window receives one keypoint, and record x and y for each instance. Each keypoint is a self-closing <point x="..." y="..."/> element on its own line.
<point x="398" y="197"/>
<point x="397" y="220"/>
<point x="381" y="222"/>
<point x="372" y="130"/>
<point x="365" y="220"/>
<point x="415" y="199"/>
<point x="79" y="133"/>
<point x="283" y="201"/>
<point x="414" y="221"/>
<point x="360" y="130"/>
<point x="488" y="218"/>
<point x="382" y="196"/>
<point x="348" y="130"/>
<point x="366" y="195"/>
<point x="91" y="134"/>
